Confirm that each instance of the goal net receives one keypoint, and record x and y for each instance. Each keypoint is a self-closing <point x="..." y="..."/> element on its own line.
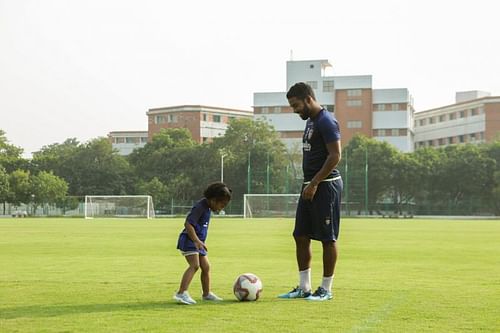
<point x="119" y="206"/>
<point x="269" y="205"/>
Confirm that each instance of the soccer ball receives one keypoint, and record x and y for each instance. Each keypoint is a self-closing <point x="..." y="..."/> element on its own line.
<point x="247" y="287"/>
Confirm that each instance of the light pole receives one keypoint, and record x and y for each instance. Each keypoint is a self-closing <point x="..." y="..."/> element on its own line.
<point x="33" y="204"/>
<point x="222" y="155"/>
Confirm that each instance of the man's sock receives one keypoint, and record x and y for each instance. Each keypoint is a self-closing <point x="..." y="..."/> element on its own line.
<point x="327" y="282"/>
<point x="305" y="280"/>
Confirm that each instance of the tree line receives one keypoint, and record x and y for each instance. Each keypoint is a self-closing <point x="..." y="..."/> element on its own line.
<point x="460" y="179"/>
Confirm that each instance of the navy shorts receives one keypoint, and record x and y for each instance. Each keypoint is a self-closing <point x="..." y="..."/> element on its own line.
<point x="319" y="218"/>
<point x="185" y="244"/>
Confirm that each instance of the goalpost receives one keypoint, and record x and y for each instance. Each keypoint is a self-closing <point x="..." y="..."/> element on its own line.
<point x="270" y="205"/>
<point x="119" y="206"/>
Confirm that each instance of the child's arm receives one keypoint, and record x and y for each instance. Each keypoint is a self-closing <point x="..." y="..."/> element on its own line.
<point x="192" y="234"/>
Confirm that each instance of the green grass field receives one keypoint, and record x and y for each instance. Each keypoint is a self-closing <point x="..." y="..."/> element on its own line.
<point x="75" y="275"/>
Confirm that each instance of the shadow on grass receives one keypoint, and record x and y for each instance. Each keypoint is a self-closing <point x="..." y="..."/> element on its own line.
<point x="33" y="311"/>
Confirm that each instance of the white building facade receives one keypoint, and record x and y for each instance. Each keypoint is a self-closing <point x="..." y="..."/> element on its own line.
<point x="384" y="114"/>
<point x="474" y="118"/>
<point x="126" y="141"/>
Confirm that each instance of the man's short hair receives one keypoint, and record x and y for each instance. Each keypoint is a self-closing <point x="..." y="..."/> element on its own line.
<point x="301" y="91"/>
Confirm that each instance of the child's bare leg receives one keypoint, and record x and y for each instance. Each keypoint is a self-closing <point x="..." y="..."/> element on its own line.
<point x="205" y="275"/>
<point x="194" y="263"/>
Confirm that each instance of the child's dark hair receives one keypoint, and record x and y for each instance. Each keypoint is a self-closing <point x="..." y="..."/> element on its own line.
<point x="218" y="191"/>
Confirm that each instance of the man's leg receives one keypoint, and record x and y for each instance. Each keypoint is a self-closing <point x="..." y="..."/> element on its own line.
<point x="324" y="292"/>
<point x="303" y="252"/>
<point x="303" y="255"/>
<point x="329" y="257"/>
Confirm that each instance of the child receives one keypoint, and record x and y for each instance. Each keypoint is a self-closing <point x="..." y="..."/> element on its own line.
<point x="191" y="241"/>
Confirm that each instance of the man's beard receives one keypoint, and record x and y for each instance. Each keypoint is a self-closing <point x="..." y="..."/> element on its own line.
<point x="306" y="113"/>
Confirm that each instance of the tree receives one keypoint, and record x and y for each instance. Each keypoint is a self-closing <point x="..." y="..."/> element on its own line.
<point x="256" y="157"/>
<point x="157" y="190"/>
<point x="58" y="158"/>
<point x="492" y="150"/>
<point x="404" y="180"/>
<point x="466" y="161"/>
<point x="10" y="155"/>
<point x="4" y="187"/>
<point x="175" y="160"/>
<point x="495" y="198"/>
<point x="47" y="189"/>
<point x="367" y="165"/>
<point x="20" y="187"/>
<point x="101" y="171"/>
<point x="158" y="158"/>
<point x="90" y="168"/>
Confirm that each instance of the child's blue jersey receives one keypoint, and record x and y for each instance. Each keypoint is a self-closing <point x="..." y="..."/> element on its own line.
<point x="319" y="131"/>
<point x="199" y="218"/>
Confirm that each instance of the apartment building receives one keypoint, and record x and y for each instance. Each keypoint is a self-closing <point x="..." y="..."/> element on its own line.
<point x="126" y="141"/>
<point x="203" y="122"/>
<point x="384" y="114"/>
<point x="474" y="118"/>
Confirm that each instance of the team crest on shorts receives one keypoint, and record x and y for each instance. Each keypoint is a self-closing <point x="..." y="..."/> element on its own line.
<point x="327" y="221"/>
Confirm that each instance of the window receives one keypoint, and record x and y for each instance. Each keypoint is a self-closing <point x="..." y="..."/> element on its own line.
<point x="395" y="132"/>
<point x="354" y="103"/>
<point x="461" y="138"/>
<point x="431" y="120"/>
<point x="159" y="119"/>
<point x="313" y="84"/>
<point x="472" y="137"/>
<point x="474" y="112"/>
<point x="119" y="140"/>
<point x="353" y="92"/>
<point x="328" y="86"/>
<point x="452" y="116"/>
<point x="441" y="141"/>
<point x="277" y="109"/>
<point x="395" y="107"/>
<point x="264" y="109"/>
<point x="379" y="107"/>
<point x="450" y="140"/>
<point x="144" y="139"/>
<point x="354" y="124"/>
<point x="462" y="114"/>
<point x="403" y="132"/>
<point x="441" y="118"/>
<point x="216" y="118"/>
<point x="430" y="143"/>
<point x="381" y="132"/>
<point x="172" y="118"/>
<point x="204" y="117"/>
<point x="421" y="122"/>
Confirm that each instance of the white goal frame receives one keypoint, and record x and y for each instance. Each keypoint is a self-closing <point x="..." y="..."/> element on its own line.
<point x="91" y="206"/>
<point x="248" y="210"/>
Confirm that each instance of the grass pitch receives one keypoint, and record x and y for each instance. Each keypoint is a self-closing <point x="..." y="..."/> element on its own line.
<point x="73" y="275"/>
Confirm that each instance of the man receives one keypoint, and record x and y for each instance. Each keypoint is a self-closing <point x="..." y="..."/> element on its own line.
<point x="318" y="210"/>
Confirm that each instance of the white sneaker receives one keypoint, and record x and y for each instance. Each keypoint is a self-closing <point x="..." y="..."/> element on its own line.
<point x="212" y="297"/>
<point x="184" y="298"/>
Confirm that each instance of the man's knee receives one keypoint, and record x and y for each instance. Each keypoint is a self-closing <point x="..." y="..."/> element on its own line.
<point x="302" y="241"/>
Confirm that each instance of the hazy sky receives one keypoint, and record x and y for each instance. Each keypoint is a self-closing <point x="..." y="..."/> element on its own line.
<point x="82" y="68"/>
